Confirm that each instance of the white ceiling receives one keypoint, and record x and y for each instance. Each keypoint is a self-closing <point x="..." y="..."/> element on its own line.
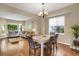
<point x="13" y="16"/>
<point x="35" y="8"/>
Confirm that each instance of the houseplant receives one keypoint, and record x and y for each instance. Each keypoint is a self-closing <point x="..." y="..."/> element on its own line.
<point x="75" y="31"/>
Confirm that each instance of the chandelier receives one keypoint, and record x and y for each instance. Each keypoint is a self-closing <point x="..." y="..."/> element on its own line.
<point x="43" y="13"/>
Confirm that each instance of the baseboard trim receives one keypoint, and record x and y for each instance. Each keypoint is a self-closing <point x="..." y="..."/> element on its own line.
<point x="64" y="43"/>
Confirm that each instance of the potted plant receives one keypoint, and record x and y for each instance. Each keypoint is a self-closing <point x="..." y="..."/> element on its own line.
<point x="75" y="31"/>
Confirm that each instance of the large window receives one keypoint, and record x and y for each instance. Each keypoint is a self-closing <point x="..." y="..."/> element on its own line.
<point x="56" y="24"/>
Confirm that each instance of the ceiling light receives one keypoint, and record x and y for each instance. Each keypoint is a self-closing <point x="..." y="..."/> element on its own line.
<point x="43" y="13"/>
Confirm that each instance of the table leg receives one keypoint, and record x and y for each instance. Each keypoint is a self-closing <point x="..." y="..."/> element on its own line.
<point x="41" y="49"/>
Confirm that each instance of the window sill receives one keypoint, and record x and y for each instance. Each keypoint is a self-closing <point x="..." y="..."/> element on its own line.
<point x="60" y="33"/>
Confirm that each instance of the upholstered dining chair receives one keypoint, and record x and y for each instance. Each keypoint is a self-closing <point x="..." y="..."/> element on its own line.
<point x="48" y="45"/>
<point x="33" y="45"/>
<point x="52" y="42"/>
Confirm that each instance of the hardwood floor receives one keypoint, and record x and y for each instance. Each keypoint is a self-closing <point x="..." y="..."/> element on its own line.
<point x="21" y="48"/>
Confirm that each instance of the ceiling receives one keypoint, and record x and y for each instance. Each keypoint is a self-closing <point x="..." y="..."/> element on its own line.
<point x="31" y="8"/>
<point x="13" y="16"/>
<point x="35" y="8"/>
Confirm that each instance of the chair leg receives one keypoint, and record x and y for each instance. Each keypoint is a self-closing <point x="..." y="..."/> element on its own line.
<point x="56" y="47"/>
<point x="46" y="51"/>
<point x="40" y="51"/>
<point x="53" y="49"/>
<point x="34" y="52"/>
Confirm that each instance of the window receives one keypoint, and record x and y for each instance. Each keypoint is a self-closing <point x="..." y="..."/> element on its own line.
<point x="11" y="27"/>
<point x="56" y="24"/>
<point x="2" y="28"/>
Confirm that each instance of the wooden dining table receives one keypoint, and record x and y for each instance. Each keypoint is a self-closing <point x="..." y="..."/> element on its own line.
<point x="41" y="39"/>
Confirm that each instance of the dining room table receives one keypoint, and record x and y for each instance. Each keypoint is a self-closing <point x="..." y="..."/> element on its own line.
<point x="41" y="39"/>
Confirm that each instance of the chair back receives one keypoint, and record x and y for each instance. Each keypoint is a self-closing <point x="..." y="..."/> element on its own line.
<point x="50" y="41"/>
<point x="55" y="38"/>
<point x="31" y="42"/>
<point x="52" y="33"/>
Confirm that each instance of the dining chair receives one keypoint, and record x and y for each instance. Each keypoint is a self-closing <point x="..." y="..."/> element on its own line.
<point x="54" y="43"/>
<point x="33" y="45"/>
<point x="48" y="45"/>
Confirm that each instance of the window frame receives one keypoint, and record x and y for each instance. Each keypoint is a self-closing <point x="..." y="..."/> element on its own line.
<point x="64" y="24"/>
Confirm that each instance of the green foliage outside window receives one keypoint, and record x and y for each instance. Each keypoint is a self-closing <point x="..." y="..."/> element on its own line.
<point x="11" y="27"/>
<point x="58" y="29"/>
